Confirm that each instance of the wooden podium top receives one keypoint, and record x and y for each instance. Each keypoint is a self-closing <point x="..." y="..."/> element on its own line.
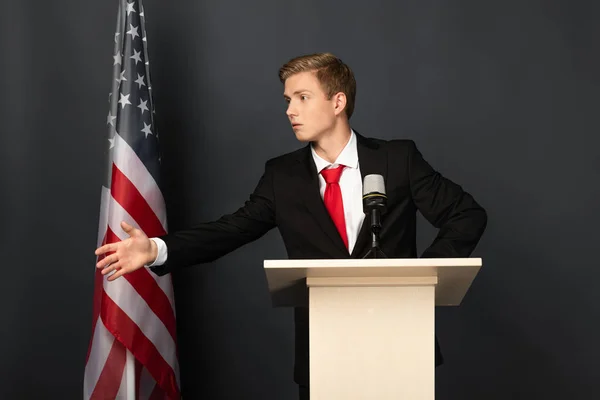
<point x="287" y="278"/>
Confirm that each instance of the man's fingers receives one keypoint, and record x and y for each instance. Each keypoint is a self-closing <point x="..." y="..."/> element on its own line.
<point x="117" y="274"/>
<point x="110" y="267"/>
<point x="106" y="249"/>
<point x="127" y="228"/>
<point x="107" y="260"/>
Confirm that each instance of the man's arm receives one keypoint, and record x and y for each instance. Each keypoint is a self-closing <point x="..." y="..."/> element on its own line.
<point x="209" y="241"/>
<point x="201" y="243"/>
<point x="460" y="220"/>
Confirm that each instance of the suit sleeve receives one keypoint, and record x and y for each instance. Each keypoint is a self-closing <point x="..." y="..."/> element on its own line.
<point x="460" y="219"/>
<point x="209" y="241"/>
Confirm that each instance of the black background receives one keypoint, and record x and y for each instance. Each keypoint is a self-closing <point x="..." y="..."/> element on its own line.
<point x="500" y="96"/>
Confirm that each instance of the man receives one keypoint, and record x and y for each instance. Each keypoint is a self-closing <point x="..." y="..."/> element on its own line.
<point x="314" y="197"/>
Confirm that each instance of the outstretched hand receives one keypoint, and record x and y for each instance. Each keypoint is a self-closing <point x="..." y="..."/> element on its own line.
<point x="127" y="255"/>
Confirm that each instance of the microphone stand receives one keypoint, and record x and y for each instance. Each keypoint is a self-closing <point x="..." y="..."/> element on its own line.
<point x="375" y="251"/>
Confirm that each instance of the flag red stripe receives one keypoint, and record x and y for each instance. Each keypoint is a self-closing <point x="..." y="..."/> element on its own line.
<point x="126" y="331"/>
<point x="110" y="379"/>
<point x="129" y="197"/>
<point x="153" y="294"/>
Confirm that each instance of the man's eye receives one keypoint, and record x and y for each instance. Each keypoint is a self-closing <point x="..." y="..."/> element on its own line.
<point x="304" y="97"/>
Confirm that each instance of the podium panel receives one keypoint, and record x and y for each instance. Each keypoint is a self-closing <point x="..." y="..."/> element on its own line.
<point x="369" y="342"/>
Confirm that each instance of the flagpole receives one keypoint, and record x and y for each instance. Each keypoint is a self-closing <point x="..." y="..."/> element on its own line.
<point x="130" y="375"/>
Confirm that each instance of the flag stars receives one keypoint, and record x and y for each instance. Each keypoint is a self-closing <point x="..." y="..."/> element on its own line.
<point x="147" y="130"/>
<point x="143" y="106"/>
<point x="117" y="58"/>
<point x="124" y="100"/>
<point x="121" y="116"/>
<point x="140" y="81"/>
<point x="133" y="31"/>
<point x="122" y="77"/>
<point x="110" y="119"/>
<point x="130" y="8"/>
<point x="136" y="56"/>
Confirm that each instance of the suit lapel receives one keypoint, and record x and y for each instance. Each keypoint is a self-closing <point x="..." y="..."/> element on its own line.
<point x="307" y="173"/>
<point x="372" y="160"/>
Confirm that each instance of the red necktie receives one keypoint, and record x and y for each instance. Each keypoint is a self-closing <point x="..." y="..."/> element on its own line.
<point x="333" y="200"/>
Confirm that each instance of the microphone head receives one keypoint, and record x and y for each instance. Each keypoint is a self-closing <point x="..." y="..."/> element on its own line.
<point x="374" y="197"/>
<point x="373" y="184"/>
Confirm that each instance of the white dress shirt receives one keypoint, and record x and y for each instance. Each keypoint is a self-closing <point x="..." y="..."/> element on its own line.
<point x="350" y="186"/>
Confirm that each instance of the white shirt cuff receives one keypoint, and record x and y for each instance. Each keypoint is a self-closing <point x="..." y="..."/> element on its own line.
<point x="162" y="252"/>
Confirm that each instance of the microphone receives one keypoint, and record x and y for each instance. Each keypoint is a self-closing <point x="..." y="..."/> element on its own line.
<point x="374" y="205"/>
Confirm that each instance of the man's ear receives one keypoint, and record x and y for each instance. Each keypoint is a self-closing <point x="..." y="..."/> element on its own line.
<point x="339" y="102"/>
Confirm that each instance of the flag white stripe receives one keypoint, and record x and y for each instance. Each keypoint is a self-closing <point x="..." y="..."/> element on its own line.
<point x="117" y="214"/>
<point x="102" y="342"/>
<point x="103" y="219"/>
<point x="132" y="167"/>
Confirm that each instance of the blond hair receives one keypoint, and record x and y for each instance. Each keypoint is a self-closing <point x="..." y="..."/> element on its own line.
<point x="332" y="73"/>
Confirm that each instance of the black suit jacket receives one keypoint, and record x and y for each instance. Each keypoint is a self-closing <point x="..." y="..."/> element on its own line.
<point x="287" y="197"/>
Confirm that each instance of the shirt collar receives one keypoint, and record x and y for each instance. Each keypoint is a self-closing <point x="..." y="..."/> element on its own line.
<point x="348" y="156"/>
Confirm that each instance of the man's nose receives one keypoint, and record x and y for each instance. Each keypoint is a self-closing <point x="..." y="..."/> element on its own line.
<point x="291" y="111"/>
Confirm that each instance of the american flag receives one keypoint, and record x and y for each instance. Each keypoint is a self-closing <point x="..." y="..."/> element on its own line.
<point x="133" y="349"/>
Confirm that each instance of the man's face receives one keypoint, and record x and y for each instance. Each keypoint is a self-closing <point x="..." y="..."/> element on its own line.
<point x="309" y="111"/>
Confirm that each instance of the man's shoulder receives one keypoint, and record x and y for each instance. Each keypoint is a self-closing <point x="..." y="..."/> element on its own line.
<point x="396" y="144"/>
<point x="289" y="158"/>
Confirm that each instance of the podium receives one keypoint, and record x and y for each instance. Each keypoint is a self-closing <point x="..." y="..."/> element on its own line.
<point x="371" y="321"/>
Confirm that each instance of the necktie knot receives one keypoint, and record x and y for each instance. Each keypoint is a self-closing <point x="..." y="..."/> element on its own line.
<point x="332" y="175"/>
